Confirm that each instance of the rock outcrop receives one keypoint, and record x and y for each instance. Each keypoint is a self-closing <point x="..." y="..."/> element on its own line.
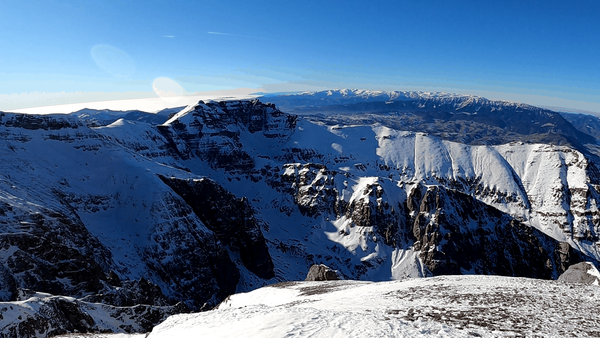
<point x="321" y="273"/>
<point x="581" y="273"/>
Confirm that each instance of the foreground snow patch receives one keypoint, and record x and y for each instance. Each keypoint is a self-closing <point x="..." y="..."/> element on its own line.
<point x="447" y="306"/>
<point x="103" y="335"/>
<point x="295" y="321"/>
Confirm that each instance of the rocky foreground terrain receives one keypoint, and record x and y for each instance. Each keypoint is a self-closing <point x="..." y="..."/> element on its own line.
<point x="113" y="221"/>
<point x="444" y="306"/>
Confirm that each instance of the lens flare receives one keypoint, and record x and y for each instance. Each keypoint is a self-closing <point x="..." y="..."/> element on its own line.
<point x="113" y="60"/>
<point x="168" y="89"/>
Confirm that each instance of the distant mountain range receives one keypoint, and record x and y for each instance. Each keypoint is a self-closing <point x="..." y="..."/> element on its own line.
<point x="178" y="210"/>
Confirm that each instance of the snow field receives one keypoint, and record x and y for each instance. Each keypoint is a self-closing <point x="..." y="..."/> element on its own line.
<point x="448" y="306"/>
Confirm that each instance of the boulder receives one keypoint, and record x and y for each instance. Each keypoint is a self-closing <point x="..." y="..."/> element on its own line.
<point x="322" y="272"/>
<point x="583" y="273"/>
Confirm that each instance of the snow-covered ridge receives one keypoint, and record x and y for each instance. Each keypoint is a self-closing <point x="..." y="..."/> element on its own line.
<point x="345" y="96"/>
<point x="516" y="178"/>
<point x="460" y="118"/>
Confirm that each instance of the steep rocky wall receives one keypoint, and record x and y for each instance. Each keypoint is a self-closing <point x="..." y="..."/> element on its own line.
<point x="49" y="251"/>
<point x="45" y="315"/>
<point x="453" y="232"/>
<point x="211" y="131"/>
<point x="230" y="218"/>
<point x="456" y="234"/>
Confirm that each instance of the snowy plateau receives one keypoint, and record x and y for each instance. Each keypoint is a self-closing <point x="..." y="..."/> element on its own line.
<point x="446" y="215"/>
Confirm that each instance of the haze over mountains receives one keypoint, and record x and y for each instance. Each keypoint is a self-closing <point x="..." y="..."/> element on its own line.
<point x="180" y="209"/>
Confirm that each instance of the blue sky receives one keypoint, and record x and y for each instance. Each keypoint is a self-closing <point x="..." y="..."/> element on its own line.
<point x="540" y="52"/>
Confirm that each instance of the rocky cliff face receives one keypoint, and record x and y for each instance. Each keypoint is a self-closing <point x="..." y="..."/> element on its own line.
<point x="39" y="314"/>
<point x="212" y="131"/>
<point x="453" y="232"/>
<point x="51" y="252"/>
<point x="456" y="234"/>
<point x="230" y="218"/>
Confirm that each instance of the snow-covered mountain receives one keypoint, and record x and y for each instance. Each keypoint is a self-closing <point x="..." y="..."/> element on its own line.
<point x="223" y="197"/>
<point x="461" y="118"/>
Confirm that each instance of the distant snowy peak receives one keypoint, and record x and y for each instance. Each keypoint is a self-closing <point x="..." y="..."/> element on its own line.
<point x="379" y="94"/>
<point x="460" y="118"/>
<point x="346" y="96"/>
<point x="337" y="96"/>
